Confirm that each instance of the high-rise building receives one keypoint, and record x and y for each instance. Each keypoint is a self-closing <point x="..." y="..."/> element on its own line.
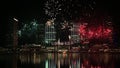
<point x="40" y="34"/>
<point x="50" y="32"/>
<point x="74" y="37"/>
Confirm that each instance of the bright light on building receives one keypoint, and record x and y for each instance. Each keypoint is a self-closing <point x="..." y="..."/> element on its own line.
<point x="15" y="19"/>
<point x="48" y="23"/>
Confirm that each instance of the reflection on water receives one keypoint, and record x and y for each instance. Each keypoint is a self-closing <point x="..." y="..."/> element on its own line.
<point x="60" y="60"/>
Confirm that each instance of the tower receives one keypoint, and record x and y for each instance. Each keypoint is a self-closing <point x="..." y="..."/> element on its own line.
<point x="15" y="36"/>
<point x="50" y="32"/>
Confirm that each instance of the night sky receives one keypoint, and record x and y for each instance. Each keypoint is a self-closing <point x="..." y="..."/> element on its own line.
<point x="67" y="9"/>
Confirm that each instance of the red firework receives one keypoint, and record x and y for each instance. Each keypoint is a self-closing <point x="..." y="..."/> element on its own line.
<point x="99" y="33"/>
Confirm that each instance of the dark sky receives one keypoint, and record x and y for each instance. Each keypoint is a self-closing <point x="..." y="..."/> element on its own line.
<point x="34" y="8"/>
<point x="28" y="9"/>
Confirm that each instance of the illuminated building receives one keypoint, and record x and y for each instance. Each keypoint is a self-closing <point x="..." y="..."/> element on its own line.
<point x="74" y="34"/>
<point x="49" y="32"/>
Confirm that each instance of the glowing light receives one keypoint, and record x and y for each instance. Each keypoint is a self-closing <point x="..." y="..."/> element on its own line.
<point x="46" y="64"/>
<point x="48" y="23"/>
<point x="99" y="32"/>
<point x="15" y="19"/>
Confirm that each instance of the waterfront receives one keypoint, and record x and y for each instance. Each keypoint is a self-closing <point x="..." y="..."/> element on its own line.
<point x="60" y="60"/>
<point x="60" y="34"/>
<point x="96" y="48"/>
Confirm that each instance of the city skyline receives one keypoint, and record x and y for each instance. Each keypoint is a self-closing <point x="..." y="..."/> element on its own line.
<point x="28" y="10"/>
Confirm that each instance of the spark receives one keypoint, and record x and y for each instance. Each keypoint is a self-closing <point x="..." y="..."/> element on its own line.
<point x="67" y="9"/>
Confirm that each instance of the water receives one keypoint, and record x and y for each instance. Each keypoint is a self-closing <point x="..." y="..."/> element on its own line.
<point x="60" y="60"/>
